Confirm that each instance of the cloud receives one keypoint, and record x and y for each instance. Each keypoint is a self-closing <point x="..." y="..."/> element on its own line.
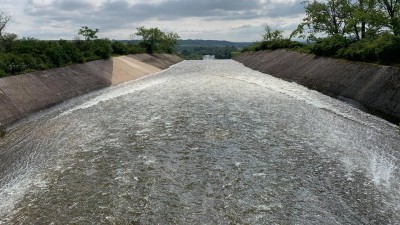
<point x="117" y="15"/>
<point x="72" y="5"/>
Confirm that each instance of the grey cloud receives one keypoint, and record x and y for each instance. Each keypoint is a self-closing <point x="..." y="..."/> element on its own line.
<point x="68" y="5"/>
<point x="123" y="12"/>
<point x="247" y="26"/>
<point x="284" y="10"/>
<point x="120" y="14"/>
<point x="173" y="10"/>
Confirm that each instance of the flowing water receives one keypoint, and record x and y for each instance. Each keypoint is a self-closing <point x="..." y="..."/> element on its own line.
<point x="204" y="142"/>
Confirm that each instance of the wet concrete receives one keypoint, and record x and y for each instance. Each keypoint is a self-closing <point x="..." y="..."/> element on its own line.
<point x="25" y="94"/>
<point x="376" y="87"/>
<point x="205" y="142"/>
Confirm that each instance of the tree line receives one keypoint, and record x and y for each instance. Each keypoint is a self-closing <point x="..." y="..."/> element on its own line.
<point x="28" y="54"/>
<point x="197" y="52"/>
<point x="361" y="30"/>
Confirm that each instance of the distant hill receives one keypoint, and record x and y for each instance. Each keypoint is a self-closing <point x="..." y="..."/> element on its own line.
<point x="196" y="49"/>
<point x="212" y="43"/>
<point x="207" y="43"/>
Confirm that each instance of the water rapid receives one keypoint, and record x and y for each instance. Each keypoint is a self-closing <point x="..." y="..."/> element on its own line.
<point x="204" y="142"/>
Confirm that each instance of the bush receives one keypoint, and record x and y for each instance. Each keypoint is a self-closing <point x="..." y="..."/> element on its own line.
<point x="278" y="44"/>
<point x="103" y="48"/>
<point x="234" y="54"/>
<point x="30" y="54"/>
<point x="56" y="55"/>
<point x="252" y="48"/>
<point x="84" y="46"/>
<point x="89" y="56"/>
<point x="273" y="45"/>
<point x="2" y="63"/>
<point x="135" y="49"/>
<point x="383" y="49"/>
<point x="72" y="52"/>
<point x="30" y="46"/>
<point x="2" y="73"/>
<point x="13" y="64"/>
<point x="330" y="46"/>
<point x="388" y="48"/>
<point x="7" y="42"/>
<point x="119" y="48"/>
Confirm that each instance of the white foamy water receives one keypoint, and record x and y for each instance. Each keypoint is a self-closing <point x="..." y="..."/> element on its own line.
<point x="311" y="97"/>
<point x="208" y="142"/>
<point x="118" y="92"/>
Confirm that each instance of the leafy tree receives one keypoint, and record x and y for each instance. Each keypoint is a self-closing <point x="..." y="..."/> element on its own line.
<point x="154" y="40"/>
<point x="88" y="33"/>
<point x="4" y="19"/>
<point x="7" y="41"/>
<point x="270" y="34"/>
<point x="357" y="19"/>
<point x="365" y="19"/>
<point x="169" y="42"/>
<point x="322" y="17"/>
<point x="151" y="38"/>
<point x="392" y="11"/>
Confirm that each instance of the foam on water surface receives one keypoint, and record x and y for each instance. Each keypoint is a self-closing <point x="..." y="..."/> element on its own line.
<point x="208" y="141"/>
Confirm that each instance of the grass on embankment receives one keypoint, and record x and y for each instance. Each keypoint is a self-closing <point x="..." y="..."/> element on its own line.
<point x="383" y="50"/>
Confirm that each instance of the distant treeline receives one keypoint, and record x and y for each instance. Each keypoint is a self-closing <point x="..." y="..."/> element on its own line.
<point x="211" y="43"/>
<point x="197" y="52"/>
<point x="195" y="49"/>
<point x="360" y="30"/>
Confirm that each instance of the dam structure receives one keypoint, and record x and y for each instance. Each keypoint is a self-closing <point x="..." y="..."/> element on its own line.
<point x="202" y="142"/>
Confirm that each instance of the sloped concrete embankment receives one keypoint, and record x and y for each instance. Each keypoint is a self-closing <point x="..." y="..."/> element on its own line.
<point x="28" y="93"/>
<point x="376" y="87"/>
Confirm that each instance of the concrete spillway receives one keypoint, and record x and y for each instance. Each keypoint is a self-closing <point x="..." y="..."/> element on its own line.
<point x="376" y="87"/>
<point x="204" y="142"/>
<point x="25" y="94"/>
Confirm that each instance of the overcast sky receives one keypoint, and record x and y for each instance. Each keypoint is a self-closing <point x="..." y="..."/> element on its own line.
<point x="232" y="20"/>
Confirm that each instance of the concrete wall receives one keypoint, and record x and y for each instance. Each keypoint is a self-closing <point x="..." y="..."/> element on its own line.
<point x="28" y="93"/>
<point x="375" y="87"/>
<point x="162" y="61"/>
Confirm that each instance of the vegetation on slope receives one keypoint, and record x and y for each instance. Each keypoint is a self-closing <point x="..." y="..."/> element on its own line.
<point x="360" y="30"/>
<point x="29" y="54"/>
